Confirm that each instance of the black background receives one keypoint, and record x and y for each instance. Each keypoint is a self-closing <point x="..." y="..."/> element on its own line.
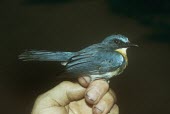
<point x="70" y="25"/>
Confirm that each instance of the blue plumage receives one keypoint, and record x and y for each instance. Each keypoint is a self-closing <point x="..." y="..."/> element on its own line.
<point x="43" y="55"/>
<point x="102" y="60"/>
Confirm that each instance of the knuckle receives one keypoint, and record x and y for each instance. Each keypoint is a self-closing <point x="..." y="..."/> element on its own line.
<point x="110" y="98"/>
<point x="66" y="84"/>
<point x="113" y="94"/>
<point x="101" y="84"/>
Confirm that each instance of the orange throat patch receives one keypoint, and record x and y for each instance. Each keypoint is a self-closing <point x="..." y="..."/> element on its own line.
<point x="122" y="51"/>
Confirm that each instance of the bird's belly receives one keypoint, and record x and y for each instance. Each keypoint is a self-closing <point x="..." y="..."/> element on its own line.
<point x="107" y="75"/>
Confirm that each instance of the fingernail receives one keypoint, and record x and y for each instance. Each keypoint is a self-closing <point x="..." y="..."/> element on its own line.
<point x="92" y="94"/>
<point x="87" y="79"/>
<point x="97" y="110"/>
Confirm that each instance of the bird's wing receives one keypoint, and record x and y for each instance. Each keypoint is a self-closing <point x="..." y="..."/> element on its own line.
<point x="95" y="62"/>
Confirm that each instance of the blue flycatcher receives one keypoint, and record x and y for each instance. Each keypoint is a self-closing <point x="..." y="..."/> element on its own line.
<point x="102" y="60"/>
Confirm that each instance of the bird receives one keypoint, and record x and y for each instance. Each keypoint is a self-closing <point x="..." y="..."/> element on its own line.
<point x="102" y="60"/>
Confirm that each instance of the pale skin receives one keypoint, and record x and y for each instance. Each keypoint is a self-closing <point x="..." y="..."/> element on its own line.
<point x="84" y="97"/>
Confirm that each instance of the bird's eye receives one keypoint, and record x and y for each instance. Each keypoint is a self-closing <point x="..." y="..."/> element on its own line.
<point x="117" y="41"/>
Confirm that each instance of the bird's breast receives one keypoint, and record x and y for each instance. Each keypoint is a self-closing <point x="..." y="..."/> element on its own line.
<point x="122" y="51"/>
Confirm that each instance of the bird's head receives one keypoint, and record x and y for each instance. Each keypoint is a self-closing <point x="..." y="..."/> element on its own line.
<point x="119" y="42"/>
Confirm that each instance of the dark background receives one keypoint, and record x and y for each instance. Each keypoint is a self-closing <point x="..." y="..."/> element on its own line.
<point x="70" y="25"/>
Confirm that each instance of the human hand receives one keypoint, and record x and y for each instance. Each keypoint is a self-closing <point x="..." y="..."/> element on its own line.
<point x="71" y="98"/>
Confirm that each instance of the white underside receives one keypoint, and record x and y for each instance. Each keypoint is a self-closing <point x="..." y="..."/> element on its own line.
<point x="64" y="63"/>
<point x="107" y="75"/>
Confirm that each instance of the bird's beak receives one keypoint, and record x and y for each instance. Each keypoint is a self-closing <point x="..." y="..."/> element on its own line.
<point x="132" y="45"/>
<point x="129" y="45"/>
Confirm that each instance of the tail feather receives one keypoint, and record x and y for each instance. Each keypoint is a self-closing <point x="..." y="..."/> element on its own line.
<point x="45" y="56"/>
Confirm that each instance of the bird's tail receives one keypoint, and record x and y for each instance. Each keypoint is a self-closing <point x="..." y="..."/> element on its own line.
<point x="45" y="56"/>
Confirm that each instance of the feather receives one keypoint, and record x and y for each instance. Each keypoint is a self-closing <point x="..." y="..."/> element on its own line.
<point x="45" y="56"/>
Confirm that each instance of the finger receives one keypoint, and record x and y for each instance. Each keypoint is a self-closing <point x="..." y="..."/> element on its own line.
<point x="114" y="110"/>
<point x="84" y="81"/>
<point x="113" y="94"/>
<point x="105" y="104"/>
<point x="96" y="90"/>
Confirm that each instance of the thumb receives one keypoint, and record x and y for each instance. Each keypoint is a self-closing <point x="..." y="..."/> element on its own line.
<point x="59" y="96"/>
<point x="66" y="92"/>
